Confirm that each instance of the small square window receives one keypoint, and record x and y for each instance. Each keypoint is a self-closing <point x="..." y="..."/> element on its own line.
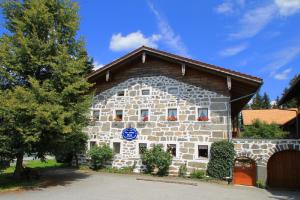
<point x="145" y="115"/>
<point x="173" y="90"/>
<point x="93" y="144"/>
<point x="145" y="92"/>
<point x="172" y="114"/>
<point x="202" y="114"/>
<point x="121" y="93"/>
<point x="96" y="114"/>
<point x="171" y="148"/>
<point x="117" y="147"/>
<point x="119" y="115"/>
<point x="202" y="151"/>
<point x="142" y="148"/>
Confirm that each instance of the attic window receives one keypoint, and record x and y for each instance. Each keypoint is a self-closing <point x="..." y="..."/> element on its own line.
<point x="173" y="90"/>
<point x="145" y="92"/>
<point x="121" y="93"/>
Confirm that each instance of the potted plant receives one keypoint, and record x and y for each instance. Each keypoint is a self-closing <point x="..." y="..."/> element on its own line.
<point x="145" y="119"/>
<point x="172" y="118"/>
<point x="202" y="118"/>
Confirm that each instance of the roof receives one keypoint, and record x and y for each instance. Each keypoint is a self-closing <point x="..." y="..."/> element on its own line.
<point x="269" y="116"/>
<point x="176" y="58"/>
<point x="292" y="92"/>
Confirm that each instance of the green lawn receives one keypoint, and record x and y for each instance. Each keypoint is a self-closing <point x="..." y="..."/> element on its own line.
<point x="8" y="183"/>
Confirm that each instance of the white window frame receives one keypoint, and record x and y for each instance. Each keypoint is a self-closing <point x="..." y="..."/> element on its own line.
<point x="208" y="153"/>
<point x="140" y="114"/>
<point x="177" y="114"/>
<point x="137" y="146"/>
<point x="165" y="143"/>
<point x="112" y="145"/>
<point x="115" y="114"/>
<point x="208" y="113"/>
<point x="150" y="92"/>
<point x="169" y="87"/>
<point x="92" y="113"/>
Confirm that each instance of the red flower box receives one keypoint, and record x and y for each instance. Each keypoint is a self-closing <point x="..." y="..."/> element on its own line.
<point x="172" y="118"/>
<point x="202" y="119"/>
<point x="145" y="119"/>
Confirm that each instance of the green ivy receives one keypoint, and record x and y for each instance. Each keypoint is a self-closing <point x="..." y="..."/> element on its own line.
<point x="221" y="159"/>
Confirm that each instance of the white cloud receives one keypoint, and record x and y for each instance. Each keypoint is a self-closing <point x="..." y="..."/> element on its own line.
<point x="231" y="51"/>
<point x="283" y="57"/>
<point x="283" y="75"/>
<point x="288" y="7"/>
<point x="254" y="21"/>
<point x="131" y="41"/>
<point x="224" y="8"/>
<point x="169" y="37"/>
<point x="97" y="65"/>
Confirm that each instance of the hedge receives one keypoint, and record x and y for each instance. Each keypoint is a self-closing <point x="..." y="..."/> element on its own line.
<point x="221" y="159"/>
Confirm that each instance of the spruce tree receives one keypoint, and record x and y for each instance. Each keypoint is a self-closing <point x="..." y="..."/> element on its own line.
<point x="293" y="102"/>
<point x="43" y="96"/>
<point x="257" y="102"/>
<point x="266" y="104"/>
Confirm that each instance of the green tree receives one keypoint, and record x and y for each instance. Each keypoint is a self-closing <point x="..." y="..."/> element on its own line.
<point x="262" y="130"/>
<point x="257" y="102"/>
<point x="293" y="102"/>
<point x="43" y="96"/>
<point x="266" y="104"/>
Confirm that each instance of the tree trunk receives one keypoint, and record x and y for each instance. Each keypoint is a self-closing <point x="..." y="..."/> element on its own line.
<point x="76" y="160"/>
<point x="19" y="166"/>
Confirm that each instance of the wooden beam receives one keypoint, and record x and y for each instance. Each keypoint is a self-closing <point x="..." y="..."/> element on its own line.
<point x="144" y="57"/>
<point x="229" y="83"/>
<point x="183" y="69"/>
<point x="107" y="77"/>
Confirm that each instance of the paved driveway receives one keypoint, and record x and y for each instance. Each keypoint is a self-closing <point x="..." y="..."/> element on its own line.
<point x="68" y="184"/>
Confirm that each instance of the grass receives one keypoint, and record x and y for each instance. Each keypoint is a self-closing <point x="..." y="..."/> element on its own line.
<point x="114" y="170"/>
<point x="8" y="183"/>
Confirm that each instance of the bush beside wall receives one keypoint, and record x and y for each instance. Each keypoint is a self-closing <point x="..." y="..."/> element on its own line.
<point x="221" y="159"/>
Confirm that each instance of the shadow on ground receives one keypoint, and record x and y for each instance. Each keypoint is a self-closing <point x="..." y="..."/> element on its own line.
<point x="284" y="194"/>
<point x="53" y="177"/>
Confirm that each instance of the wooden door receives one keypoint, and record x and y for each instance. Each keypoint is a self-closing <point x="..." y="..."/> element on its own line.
<point x="244" y="172"/>
<point x="284" y="169"/>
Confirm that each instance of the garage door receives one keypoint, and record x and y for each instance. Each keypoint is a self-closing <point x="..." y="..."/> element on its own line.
<point x="244" y="172"/>
<point x="284" y="169"/>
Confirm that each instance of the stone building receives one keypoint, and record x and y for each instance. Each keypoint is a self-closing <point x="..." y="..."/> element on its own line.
<point x="166" y="99"/>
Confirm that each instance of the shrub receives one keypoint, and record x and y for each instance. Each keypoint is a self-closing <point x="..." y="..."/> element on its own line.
<point x="199" y="174"/>
<point x="182" y="170"/>
<point x="262" y="130"/>
<point x="261" y="184"/>
<point x="221" y="159"/>
<point x="100" y="155"/>
<point x="157" y="158"/>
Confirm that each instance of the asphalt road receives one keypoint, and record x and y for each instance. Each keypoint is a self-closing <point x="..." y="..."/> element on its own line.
<point x="73" y="185"/>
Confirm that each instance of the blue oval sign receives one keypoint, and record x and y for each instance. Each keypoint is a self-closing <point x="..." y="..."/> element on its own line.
<point x="129" y="134"/>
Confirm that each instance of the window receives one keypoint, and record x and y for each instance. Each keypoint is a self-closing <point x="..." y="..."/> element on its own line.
<point x="202" y="114"/>
<point x="119" y="115"/>
<point x="202" y="151"/>
<point x="96" y="114"/>
<point x="145" y="115"/>
<point x="92" y="144"/>
<point x="117" y="147"/>
<point x="171" y="148"/>
<point x="142" y="148"/>
<point x="173" y="90"/>
<point x="172" y="114"/>
<point x="145" y="92"/>
<point x="121" y="93"/>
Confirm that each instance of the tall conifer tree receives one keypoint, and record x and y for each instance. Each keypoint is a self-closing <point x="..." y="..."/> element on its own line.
<point x="43" y="95"/>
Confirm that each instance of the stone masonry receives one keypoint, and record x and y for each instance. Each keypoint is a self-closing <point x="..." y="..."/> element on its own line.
<point x="260" y="150"/>
<point x="186" y="133"/>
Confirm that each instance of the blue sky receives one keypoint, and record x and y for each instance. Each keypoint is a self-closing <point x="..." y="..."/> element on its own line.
<point x="260" y="38"/>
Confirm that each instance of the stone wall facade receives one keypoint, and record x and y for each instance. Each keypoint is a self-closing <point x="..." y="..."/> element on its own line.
<point x="260" y="150"/>
<point x="186" y="133"/>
